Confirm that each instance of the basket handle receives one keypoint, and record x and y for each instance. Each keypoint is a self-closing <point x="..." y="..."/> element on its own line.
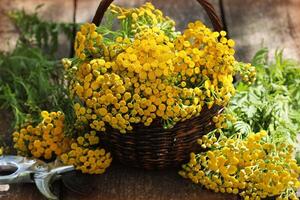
<point x="211" y="12"/>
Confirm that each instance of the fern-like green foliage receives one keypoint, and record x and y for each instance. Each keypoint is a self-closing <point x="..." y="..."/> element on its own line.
<point x="30" y="82"/>
<point x="31" y="78"/>
<point x="272" y="103"/>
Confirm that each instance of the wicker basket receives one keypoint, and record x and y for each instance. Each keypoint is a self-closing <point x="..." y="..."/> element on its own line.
<point x="154" y="147"/>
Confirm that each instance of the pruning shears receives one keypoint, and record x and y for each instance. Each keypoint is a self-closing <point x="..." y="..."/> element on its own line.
<point x="20" y="169"/>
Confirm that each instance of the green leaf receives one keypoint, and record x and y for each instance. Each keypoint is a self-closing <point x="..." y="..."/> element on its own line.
<point x="242" y="127"/>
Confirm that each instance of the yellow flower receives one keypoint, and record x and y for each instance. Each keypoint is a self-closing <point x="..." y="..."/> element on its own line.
<point x="240" y="170"/>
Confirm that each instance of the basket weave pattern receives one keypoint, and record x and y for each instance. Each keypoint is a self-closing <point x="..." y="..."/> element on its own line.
<point x="156" y="148"/>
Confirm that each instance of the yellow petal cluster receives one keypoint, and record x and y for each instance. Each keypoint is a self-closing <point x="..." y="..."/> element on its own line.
<point x="90" y="43"/>
<point x="144" y="17"/>
<point x="253" y="167"/>
<point x="221" y="120"/>
<point x="206" y="59"/>
<point x="148" y="74"/>
<point x="86" y="156"/>
<point x="46" y="140"/>
<point x="247" y="72"/>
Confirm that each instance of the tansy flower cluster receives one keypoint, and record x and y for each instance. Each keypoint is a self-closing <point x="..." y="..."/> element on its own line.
<point x="89" y="43"/>
<point x="247" y="72"/>
<point x="46" y="140"/>
<point x="221" y="121"/>
<point x="254" y="167"/>
<point x="143" y="18"/>
<point x="86" y="156"/>
<point x="145" y="74"/>
<point x="205" y="59"/>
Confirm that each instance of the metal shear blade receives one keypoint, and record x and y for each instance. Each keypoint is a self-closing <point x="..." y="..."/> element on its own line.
<point x="18" y="169"/>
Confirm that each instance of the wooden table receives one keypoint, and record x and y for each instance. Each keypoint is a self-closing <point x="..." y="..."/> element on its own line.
<point x="251" y="23"/>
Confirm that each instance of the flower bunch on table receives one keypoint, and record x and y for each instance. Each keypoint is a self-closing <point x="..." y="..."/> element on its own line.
<point x="254" y="167"/>
<point x="143" y="72"/>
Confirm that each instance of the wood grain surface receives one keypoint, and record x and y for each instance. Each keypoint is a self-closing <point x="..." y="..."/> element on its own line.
<point x="271" y="23"/>
<point x="125" y="183"/>
<point x="276" y="23"/>
<point x="52" y="10"/>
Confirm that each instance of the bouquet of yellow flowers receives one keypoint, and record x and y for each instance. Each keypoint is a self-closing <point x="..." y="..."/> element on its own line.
<point x="149" y="94"/>
<point x="147" y="71"/>
<point x="144" y="73"/>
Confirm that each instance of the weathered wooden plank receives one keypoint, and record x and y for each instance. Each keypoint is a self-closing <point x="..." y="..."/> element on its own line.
<point x="182" y="12"/>
<point x="273" y="23"/>
<point x="117" y="184"/>
<point x="125" y="183"/>
<point x="53" y="10"/>
<point x="23" y="191"/>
